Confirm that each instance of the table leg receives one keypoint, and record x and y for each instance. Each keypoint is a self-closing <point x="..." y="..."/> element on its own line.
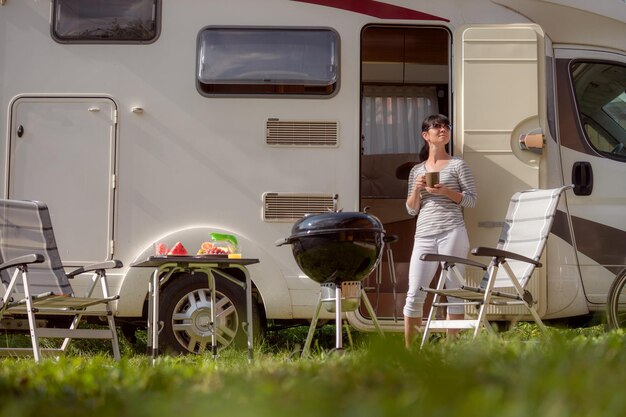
<point x="249" y="315"/>
<point x="338" y="317"/>
<point x="155" y="315"/>
<point x="150" y="325"/>
<point x="213" y="314"/>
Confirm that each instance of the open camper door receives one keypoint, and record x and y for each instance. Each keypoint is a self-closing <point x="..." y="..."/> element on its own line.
<point x="499" y="92"/>
<point x="62" y="152"/>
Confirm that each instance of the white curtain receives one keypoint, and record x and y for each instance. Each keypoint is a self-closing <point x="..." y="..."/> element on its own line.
<point x="392" y="118"/>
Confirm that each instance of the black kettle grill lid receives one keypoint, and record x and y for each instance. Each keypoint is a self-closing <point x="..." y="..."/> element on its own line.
<point x="336" y="221"/>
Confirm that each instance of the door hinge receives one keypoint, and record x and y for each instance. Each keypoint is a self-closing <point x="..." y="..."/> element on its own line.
<point x="115" y="116"/>
<point x="113" y="181"/>
<point x="112" y="246"/>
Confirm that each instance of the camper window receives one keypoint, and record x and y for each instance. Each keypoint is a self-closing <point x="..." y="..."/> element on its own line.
<point x="252" y="61"/>
<point x="601" y="100"/>
<point x="105" y="21"/>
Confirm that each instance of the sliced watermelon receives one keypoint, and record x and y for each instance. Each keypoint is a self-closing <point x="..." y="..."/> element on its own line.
<point x="160" y="249"/>
<point x="178" y="249"/>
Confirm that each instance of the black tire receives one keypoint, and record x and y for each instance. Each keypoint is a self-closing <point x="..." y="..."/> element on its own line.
<point x="502" y="326"/>
<point x="616" y="312"/>
<point x="186" y="326"/>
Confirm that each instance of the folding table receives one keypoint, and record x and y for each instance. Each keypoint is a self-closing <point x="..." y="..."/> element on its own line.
<point x="167" y="265"/>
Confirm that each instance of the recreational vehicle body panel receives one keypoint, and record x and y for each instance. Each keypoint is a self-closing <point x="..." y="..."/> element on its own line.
<point x="136" y="137"/>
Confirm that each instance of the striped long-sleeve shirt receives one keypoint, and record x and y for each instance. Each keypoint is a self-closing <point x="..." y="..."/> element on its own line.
<point x="438" y="213"/>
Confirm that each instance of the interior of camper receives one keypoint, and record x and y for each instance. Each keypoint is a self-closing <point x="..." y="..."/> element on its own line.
<point x="405" y="76"/>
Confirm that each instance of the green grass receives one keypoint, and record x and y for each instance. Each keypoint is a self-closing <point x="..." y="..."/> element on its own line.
<point x="521" y="373"/>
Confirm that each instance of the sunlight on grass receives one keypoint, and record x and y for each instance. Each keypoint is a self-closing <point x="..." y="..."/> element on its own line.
<point x="518" y="373"/>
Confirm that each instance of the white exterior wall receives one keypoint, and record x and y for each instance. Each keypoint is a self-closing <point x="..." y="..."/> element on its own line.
<point x="190" y="164"/>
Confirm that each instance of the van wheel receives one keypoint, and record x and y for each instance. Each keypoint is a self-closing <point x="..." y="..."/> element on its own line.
<point x="185" y="311"/>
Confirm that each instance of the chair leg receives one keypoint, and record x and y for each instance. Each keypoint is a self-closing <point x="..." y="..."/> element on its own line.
<point x="73" y="325"/>
<point x="480" y="320"/>
<point x="114" y="339"/>
<point x="32" y="323"/>
<point x="441" y="282"/>
<point x="431" y="316"/>
<point x="538" y="320"/>
<point x="482" y="313"/>
<point x="520" y="293"/>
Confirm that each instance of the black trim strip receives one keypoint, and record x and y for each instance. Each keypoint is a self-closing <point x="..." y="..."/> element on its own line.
<point x="604" y="244"/>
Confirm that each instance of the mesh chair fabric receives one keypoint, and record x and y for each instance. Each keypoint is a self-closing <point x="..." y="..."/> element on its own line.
<point x="26" y="228"/>
<point x="526" y="228"/>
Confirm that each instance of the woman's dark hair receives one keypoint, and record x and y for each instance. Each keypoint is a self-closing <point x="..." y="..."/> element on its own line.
<point x="434" y="119"/>
<point x="431" y="120"/>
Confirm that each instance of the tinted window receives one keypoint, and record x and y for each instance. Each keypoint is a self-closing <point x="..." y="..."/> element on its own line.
<point x="253" y="61"/>
<point x="601" y="99"/>
<point x="90" y="21"/>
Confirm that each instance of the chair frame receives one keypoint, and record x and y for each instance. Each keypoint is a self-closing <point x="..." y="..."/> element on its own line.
<point x="484" y="295"/>
<point x="49" y="304"/>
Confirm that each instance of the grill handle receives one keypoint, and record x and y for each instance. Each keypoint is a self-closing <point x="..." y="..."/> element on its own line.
<point x="281" y="242"/>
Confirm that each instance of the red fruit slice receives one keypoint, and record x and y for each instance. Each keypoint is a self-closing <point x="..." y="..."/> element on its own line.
<point x="178" y="249"/>
<point x="161" y="249"/>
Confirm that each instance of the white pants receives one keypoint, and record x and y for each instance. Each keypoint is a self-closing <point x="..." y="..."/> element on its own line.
<point x="452" y="242"/>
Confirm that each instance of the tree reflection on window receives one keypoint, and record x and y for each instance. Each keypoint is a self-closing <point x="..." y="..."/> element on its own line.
<point x="105" y="20"/>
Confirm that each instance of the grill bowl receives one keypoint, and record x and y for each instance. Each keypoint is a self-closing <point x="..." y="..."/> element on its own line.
<point x="337" y="246"/>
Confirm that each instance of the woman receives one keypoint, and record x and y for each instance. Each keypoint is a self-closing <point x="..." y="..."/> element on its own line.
<point x="439" y="209"/>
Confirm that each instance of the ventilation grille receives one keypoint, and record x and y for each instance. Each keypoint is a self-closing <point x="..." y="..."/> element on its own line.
<point x="301" y="133"/>
<point x="291" y="207"/>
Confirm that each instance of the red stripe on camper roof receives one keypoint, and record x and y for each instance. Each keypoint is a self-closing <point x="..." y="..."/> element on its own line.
<point x="376" y="9"/>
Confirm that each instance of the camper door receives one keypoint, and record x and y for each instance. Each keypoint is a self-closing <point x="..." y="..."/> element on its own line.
<point x="592" y="131"/>
<point x="61" y="152"/>
<point x="498" y="98"/>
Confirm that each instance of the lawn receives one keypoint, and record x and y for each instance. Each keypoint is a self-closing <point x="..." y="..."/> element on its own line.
<point x="520" y="373"/>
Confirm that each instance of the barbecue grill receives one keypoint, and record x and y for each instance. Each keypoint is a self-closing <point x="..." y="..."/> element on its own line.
<point x="337" y="250"/>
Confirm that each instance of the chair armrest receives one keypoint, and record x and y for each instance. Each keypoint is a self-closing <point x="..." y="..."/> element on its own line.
<point x="33" y="258"/>
<point x="433" y="257"/>
<point x="503" y="254"/>
<point x="95" y="267"/>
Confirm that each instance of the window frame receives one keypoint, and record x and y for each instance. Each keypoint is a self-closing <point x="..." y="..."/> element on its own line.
<point x="276" y="90"/>
<point x="584" y="120"/>
<point x="95" y="41"/>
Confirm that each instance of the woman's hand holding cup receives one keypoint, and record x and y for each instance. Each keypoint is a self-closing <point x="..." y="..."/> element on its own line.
<point x="431" y="179"/>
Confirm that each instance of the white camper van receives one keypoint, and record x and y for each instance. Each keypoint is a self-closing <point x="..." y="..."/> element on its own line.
<point x="144" y="121"/>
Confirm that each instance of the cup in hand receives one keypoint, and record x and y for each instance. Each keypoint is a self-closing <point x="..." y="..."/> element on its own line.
<point x="432" y="179"/>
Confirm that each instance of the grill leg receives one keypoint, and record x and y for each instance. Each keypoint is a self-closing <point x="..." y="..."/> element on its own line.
<point x="392" y="275"/>
<point x="309" y="336"/>
<point x="370" y="310"/>
<point x="338" y="319"/>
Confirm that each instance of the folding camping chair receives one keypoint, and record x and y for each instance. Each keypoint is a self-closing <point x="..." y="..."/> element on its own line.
<point x="37" y="287"/>
<point x="522" y="241"/>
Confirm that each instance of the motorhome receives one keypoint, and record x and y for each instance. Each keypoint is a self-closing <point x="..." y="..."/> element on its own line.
<point x="147" y="121"/>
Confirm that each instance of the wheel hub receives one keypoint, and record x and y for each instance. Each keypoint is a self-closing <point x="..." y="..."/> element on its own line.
<point x="191" y="321"/>
<point x="201" y="319"/>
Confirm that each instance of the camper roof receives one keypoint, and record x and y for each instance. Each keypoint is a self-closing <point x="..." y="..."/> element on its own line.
<point x="606" y="26"/>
